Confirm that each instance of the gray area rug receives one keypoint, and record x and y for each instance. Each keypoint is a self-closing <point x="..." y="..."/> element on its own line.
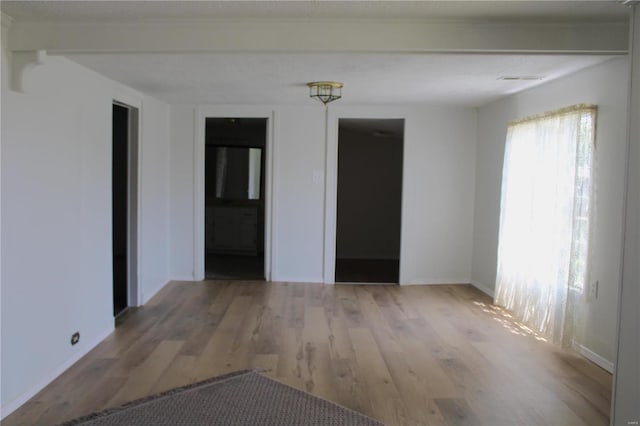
<point x="241" y="398"/>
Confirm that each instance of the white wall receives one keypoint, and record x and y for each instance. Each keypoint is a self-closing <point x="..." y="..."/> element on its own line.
<point x="4" y="81"/>
<point x="299" y="204"/>
<point x="626" y="409"/>
<point x="438" y="185"/>
<point x="181" y="192"/>
<point x="604" y="85"/>
<point x="56" y="219"/>
<point x="438" y="196"/>
<point x="153" y="261"/>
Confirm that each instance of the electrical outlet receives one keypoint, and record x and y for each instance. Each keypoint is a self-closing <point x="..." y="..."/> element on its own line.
<point x="75" y="338"/>
<point x="593" y="290"/>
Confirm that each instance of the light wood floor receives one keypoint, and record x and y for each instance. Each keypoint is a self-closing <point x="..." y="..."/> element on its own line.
<point x="412" y="355"/>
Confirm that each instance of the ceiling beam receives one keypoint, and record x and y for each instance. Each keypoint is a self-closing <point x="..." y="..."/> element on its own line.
<point x="321" y="36"/>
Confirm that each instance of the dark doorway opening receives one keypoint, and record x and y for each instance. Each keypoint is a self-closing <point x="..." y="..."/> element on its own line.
<point x="120" y="206"/>
<point x="124" y="190"/>
<point x="369" y="199"/>
<point x="235" y="153"/>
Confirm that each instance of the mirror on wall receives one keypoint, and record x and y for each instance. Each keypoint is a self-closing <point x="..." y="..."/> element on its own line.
<point x="236" y="172"/>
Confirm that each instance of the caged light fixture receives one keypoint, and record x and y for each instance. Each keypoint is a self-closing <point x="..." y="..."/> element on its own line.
<point x="325" y="91"/>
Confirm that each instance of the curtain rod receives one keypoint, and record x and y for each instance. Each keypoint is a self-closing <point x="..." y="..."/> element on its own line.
<point x="561" y="111"/>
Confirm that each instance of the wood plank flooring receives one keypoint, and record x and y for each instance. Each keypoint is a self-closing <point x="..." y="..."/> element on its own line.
<point x="367" y="270"/>
<point x="410" y="355"/>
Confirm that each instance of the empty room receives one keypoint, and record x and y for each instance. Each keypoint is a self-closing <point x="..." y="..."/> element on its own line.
<point x="400" y="213"/>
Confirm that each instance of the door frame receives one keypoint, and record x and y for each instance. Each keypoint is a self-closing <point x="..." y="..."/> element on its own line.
<point x="202" y="113"/>
<point x="331" y="181"/>
<point x="134" y="106"/>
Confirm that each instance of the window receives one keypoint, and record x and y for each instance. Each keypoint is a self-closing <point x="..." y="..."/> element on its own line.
<point x="545" y="219"/>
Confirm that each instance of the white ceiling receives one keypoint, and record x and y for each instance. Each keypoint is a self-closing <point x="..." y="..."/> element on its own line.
<point x="223" y="78"/>
<point x="280" y="78"/>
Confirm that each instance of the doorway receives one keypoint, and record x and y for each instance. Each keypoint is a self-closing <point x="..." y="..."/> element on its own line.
<point x="369" y="198"/>
<point x="124" y="206"/>
<point x="235" y="153"/>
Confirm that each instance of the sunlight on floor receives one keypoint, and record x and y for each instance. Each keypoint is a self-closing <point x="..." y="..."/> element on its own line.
<point x="507" y="320"/>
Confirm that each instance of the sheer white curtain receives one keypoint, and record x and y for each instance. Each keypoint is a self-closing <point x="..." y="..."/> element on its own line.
<point x="544" y="220"/>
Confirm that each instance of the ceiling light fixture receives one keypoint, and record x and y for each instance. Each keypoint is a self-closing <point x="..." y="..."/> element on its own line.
<point x="325" y="91"/>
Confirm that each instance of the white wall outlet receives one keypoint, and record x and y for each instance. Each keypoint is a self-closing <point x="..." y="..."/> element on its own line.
<point x="318" y="176"/>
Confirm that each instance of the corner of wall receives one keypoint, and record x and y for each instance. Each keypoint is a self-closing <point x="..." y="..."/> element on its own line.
<point x="483" y="288"/>
<point x="150" y="293"/>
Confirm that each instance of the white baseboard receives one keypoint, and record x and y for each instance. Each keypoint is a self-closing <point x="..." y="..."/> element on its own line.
<point x="436" y="282"/>
<point x="13" y="405"/>
<point x="483" y="288"/>
<point x="594" y="357"/>
<point x="183" y="278"/>
<point x="148" y="296"/>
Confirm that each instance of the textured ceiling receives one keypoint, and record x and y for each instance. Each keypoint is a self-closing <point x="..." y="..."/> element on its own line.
<point x="456" y="10"/>
<point x="453" y="79"/>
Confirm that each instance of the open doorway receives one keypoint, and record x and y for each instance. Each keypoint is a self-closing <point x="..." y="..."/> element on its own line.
<point x="124" y="206"/>
<point x="369" y="200"/>
<point x="235" y="153"/>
